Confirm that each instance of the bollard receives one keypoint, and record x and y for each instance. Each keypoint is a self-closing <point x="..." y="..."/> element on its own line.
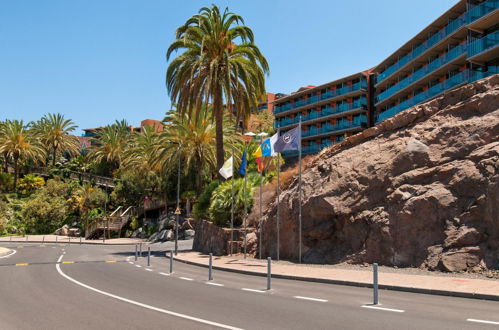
<point x="69" y="242"/>
<point x="136" y="252"/>
<point x="210" y="268"/>
<point x="26" y="238"/>
<point x="11" y="238"/>
<point x="171" y="261"/>
<point x="269" y="273"/>
<point x="80" y="240"/>
<point x="375" y="284"/>
<point x="43" y="239"/>
<point x="140" y="250"/>
<point x="148" y="256"/>
<point x="56" y="238"/>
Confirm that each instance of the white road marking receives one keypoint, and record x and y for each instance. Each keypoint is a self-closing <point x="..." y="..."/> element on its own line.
<point x="133" y="302"/>
<point x="253" y="290"/>
<point x="149" y="269"/>
<point x="164" y="274"/>
<point x="10" y="254"/>
<point x="186" y="278"/>
<point x="383" y="309"/>
<point x="131" y="263"/>
<point x="215" y="284"/>
<point x="138" y="266"/>
<point x="310" y="298"/>
<point x="482" y="321"/>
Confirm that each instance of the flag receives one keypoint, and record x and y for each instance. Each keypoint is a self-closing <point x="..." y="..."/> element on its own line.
<point x="267" y="146"/>
<point x="242" y="168"/>
<point x="258" y="152"/>
<point x="289" y="140"/>
<point x="226" y="170"/>
<point x="259" y="160"/>
<point x="261" y="165"/>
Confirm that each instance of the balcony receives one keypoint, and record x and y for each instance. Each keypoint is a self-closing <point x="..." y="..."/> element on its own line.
<point x="328" y="128"/>
<point x="458" y="79"/>
<point x="417" y="75"/>
<point x="326" y="112"/>
<point x="443" y="33"/>
<point x="482" y="49"/>
<point x="318" y="98"/>
<point x="481" y="10"/>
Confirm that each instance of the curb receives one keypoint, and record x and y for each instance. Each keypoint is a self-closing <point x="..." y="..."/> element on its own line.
<point x="352" y="283"/>
<point x="76" y="242"/>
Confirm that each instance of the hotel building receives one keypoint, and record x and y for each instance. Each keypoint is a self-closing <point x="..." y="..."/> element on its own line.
<point x="459" y="47"/>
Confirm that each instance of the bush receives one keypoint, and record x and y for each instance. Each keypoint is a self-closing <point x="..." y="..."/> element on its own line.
<point x="200" y="209"/>
<point x="4" y="208"/>
<point x="43" y="213"/>
<point x="220" y="204"/>
<point x="6" y="182"/>
<point x="29" y="183"/>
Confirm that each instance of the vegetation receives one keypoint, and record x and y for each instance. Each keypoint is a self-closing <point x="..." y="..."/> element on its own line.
<point x="219" y="63"/>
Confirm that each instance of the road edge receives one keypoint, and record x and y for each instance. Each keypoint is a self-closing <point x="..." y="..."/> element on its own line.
<point x="350" y="283"/>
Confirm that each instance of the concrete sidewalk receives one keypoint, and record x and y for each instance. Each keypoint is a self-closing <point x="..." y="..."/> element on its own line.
<point x="66" y="239"/>
<point x="429" y="284"/>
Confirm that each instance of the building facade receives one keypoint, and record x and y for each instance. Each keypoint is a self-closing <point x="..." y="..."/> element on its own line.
<point x="459" y="47"/>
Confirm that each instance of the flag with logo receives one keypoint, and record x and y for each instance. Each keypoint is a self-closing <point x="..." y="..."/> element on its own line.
<point x="289" y="140"/>
<point x="267" y="146"/>
<point x="226" y="170"/>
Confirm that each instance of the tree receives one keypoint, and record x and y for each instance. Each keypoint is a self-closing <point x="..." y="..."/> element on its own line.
<point x="219" y="63"/>
<point x="19" y="144"/>
<point x="193" y="139"/>
<point x="111" y="143"/>
<point x="54" y="131"/>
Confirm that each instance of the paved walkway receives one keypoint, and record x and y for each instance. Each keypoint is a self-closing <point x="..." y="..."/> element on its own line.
<point x="66" y="239"/>
<point x="432" y="284"/>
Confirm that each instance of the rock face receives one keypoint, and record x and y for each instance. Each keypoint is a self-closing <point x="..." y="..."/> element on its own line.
<point x="210" y="238"/>
<point x="419" y="189"/>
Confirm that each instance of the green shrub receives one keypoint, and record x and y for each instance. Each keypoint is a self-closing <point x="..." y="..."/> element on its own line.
<point x="220" y="203"/>
<point x="200" y="209"/>
<point x="29" y="183"/>
<point x="43" y="213"/>
<point x="6" y="182"/>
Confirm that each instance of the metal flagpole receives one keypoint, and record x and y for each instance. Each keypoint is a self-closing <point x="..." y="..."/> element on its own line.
<point x="261" y="222"/>
<point x="278" y="183"/>
<point x="244" y="195"/>
<point x="232" y="206"/>
<point x="299" y="192"/>
<point x="177" y="211"/>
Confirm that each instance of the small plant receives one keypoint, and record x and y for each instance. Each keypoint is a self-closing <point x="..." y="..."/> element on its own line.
<point x="29" y="183"/>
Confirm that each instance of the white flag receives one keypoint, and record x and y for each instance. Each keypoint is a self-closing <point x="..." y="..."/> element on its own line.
<point x="226" y="170"/>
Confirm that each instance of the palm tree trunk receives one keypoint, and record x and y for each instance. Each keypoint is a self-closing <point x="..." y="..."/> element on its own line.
<point x="219" y="131"/>
<point x="15" y="174"/>
<point x="54" y="151"/>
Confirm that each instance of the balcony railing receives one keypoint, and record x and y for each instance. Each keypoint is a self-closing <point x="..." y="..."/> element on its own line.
<point x="481" y="10"/>
<point x="430" y="42"/>
<point x="327" y="128"/>
<point x="478" y="46"/>
<point x="462" y="77"/>
<point x="432" y="66"/>
<point x="317" y="98"/>
<point x="328" y="111"/>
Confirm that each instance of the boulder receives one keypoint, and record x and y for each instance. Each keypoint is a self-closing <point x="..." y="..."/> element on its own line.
<point x="63" y="231"/>
<point x="189" y="234"/>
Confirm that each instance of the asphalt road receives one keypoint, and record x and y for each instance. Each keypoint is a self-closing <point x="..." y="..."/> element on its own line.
<point x="101" y="287"/>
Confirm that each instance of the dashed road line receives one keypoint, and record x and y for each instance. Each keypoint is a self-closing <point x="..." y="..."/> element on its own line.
<point x="68" y="262"/>
<point x="383" y="308"/>
<point x="22" y="264"/>
<point x="482" y="321"/>
<point x="215" y="284"/>
<point x="136" y="303"/>
<point x="164" y="274"/>
<point x="138" y="266"/>
<point x="186" y="278"/>
<point x="310" y="298"/>
<point x="253" y="290"/>
<point x="131" y="263"/>
<point x="148" y="269"/>
<point x="110" y="261"/>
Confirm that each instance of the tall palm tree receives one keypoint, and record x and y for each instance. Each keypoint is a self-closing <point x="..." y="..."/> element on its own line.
<point x="19" y="144"/>
<point x="219" y="63"/>
<point x="54" y="131"/>
<point x="193" y="139"/>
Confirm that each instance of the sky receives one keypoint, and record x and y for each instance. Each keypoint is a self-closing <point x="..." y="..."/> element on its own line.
<point x="97" y="61"/>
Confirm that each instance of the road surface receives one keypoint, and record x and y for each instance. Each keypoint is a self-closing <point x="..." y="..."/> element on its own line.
<point x="56" y="286"/>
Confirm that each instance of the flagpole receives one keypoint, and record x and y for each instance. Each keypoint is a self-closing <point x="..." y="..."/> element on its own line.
<point x="299" y="193"/>
<point x="261" y="223"/>
<point x="244" y="195"/>
<point x="232" y="206"/>
<point x="278" y="183"/>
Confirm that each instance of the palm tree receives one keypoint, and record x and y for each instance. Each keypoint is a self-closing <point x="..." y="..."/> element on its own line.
<point x="54" y="131"/>
<point x="19" y="144"/>
<point x="214" y="68"/>
<point x="111" y="143"/>
<point x="193" y="139"/>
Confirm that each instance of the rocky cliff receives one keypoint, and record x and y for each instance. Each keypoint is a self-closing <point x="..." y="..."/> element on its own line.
<point x="419" y="189"/>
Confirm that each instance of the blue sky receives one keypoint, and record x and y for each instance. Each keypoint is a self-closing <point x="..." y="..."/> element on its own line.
<point x="99" y="60"/>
